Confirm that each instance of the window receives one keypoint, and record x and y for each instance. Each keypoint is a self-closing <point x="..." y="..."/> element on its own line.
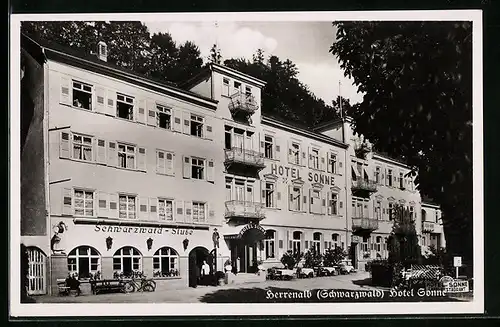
<point x="316" y="242"/>
<point x="82" y="147"/>
<point x="315" y="158"/>
<point x="332" y="163"/>
<point x="197" y="168"/>
<point x="163" y="117"/>
<point x="364" y="244"/>
<point x="164" y="162"/>
<point x="412" y="212"/>
<point x="391" y="211"/>
<point x="199" y="212"/>
<point x="315" y="201"/>
<point x="84" y="203"/>
<point x="229" y="187"/>
<point x="237" y="87"/>
<point x="295" y="153"/>
<point x="378" y="244"/>
<point x="165" y="209"/>
<point x="378" y="210"/>
<point x="336" y="240"/>
<point x="437" y="216"/>
<point x="295" y="199"/>
<point x="401" y="180"/>
<point x="165" y="263"/>
<point x="296" y="242"/>
<point x="268" y="147"/>
<point x="377" y="175"/>
<point x="82" y="95"/>
<point x="127" y="207"/>
<point x="389" y="177"/>
<point x="124" y="106"/>
<point x="126" y="156"/>
<point x="269" y="195"/>
<point x="357" y="208"/>
<point x="248" y="91"/>
<point x="333" y="204"/>
<point x="424" y="215"/>
<point x="227" y="140"/>
<point x="197" y="125"/>
<point x="225" y="86"/>
<point x="127" y="260"/>
<point x="84" y="262"/>
<point x="269" y="244"/>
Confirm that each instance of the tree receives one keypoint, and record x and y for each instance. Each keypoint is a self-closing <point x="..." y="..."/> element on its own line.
<point x="290" y="259"/>
<point x="312" y="258"/>
<point x="417" y="81"/>
<point x="403" y="240"/>
<point x="334" y="256"/>
<point x="215" y="55"/>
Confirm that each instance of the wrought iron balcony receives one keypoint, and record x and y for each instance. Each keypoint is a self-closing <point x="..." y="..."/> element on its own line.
<point x="363" y="187"/>
<point x="235" y="157"/>
<point x="243" y="103"/>
<point x="244" y="209"/>
<point x="428" y="226"/>
<point x="364" y="225"/>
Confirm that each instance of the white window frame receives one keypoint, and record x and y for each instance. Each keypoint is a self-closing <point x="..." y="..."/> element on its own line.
<point x="297" y="243"/>
<point x="336" y="240"/>
<point x="163" y="110"/>
<point x="270" y="194"/>
<point x="295" y="152"/>
<point x="83" y="90"/>
<point x="378" y="209"/>
<point x="269" y="146"/>
<point x="128" y="100"/>
<point x="82" y="146"/>
<point x="73" y="260"/>
<point x="296" y="206"/>
<point x="136" y="259"/>
<point x="390" y="209"/>
<point x="166" y="161"/>
<point x="378" y="175"/>
<point x="199" y="211"/>
<point x="270" y="245"/>
<point x="200" y="121"/>
<point x="128" y="211"/>
<point x="126" y="154"/>
<point x="85" y="191"/>
<point x="333" y="202"/>
<point x="162" y="206"/>
<point x="315" y="201"/>
<point x="332" y="162"/>
<point x="316" y="243"/>
<point x="173" y="262"/>
<point x="201" y="167"/>
<point x="315" y="158"/>
<point x="390" y="177"/>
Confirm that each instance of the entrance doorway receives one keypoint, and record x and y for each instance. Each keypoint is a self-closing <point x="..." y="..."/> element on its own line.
<point x="244" y="250"/>
<point x="196" y="258"/>
<point x="36" y="271"/>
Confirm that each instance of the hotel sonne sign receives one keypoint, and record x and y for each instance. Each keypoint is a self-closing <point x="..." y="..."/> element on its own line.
<point x="312" y="176"/>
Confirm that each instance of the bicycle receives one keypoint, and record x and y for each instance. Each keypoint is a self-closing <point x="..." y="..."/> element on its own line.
<point x="140" y="285"/>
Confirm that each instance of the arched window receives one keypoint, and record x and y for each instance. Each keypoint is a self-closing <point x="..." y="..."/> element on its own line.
<point x="270" y="243"/>
<point x="297" y="236"/>
<point x="165" y="263"/>
<point x="316" y="242"/>
<point x="336" y="240"/>
<point x="127" y="260"/>
<point x="84" y="262"/>
<point x="424" y="215"/>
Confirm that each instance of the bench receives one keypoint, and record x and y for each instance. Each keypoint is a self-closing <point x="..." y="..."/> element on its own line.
<point x="107" y="285"/>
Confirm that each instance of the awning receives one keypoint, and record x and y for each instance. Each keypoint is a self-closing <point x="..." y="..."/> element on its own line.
<point x="249" y="233"/>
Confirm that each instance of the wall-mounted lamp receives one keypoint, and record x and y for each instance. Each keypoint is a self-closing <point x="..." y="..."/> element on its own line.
<point x="109" y="242"/>
<point x="185" y="243"/>
<point x="149" y="243"/>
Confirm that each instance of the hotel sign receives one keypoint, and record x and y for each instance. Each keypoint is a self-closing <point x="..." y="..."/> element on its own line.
<point x="312" y="176"/>
<point x="142" y="230"/>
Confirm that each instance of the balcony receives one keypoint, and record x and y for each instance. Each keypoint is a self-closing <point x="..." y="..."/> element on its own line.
<point x="363" y="187"/>
<point x="244" y="160"/>
<point x="246" y="210"/>
<point x="243" y="104"/>
<point x="362" y="225"/>
<point x="428" y="227"/>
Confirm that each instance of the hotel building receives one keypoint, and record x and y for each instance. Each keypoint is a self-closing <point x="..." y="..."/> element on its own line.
<point x="120" y="173"/>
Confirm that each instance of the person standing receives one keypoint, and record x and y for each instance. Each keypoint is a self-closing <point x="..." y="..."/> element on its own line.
<point x="205" y="272"/>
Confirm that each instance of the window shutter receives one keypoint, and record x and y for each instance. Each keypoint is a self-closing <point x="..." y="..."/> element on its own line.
<point x="303" y="159"/>
<point x="151" y="110"/>
<point x="262" y="143"/>
<point x="186" y="123"/>
<point x="110" y="104"/>
<point x="113" y="205"/>
<point x="67" y="202"/>
<point x="101" y="151"/>
<point x="179" y="211"/>
<point x="329" y="205"/>
<point x="176" y="120"/>
<point x="328" y="166"/>
<point x="160" y="162"/>
<point x="309" y="164"/>
<point x="100" y="106"/>
<point x="307" y="245"/>
<point x="276" y="147"/>
<point x="290" y="197"/>
<point x="322" y="162"/>
<point x="311" y="202"/>
<point x="64" y="145"/>
<point x="188" y="211"/>
<point x="290" y="155"/>
<point x="141" y="159"/>
<point x="339" y="163"/>
<point x="143" y="208"/>
<point x="289" y="241"/>
<point x="210" y="171"/>
<point x="65" y="90"/>
<point x="103" y="207"/>
<point x="169" y="162"/>
<point x="340" y="205"/>
<point x="186" y="167"/>
<point x="208" y="134"/>
<point x="323" y="203"/>
<point x="141" y="111"/>
<point x="112" y="154"/>
<point x="153" y="209"/>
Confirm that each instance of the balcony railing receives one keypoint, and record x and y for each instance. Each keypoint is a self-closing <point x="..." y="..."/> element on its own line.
<point x="244" y="209"/>
<point x="364" y="185"/>
<point x="243" y="102"/>
<point x="244" y="157"/>
<point x="364" y="224"/>
<point x="428" y="226"/>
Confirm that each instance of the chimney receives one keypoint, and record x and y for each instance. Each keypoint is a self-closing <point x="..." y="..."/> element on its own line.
<point x="102" y="51"/>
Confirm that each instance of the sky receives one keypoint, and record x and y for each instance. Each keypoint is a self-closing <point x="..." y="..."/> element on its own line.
<point x="306" y="44"/>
